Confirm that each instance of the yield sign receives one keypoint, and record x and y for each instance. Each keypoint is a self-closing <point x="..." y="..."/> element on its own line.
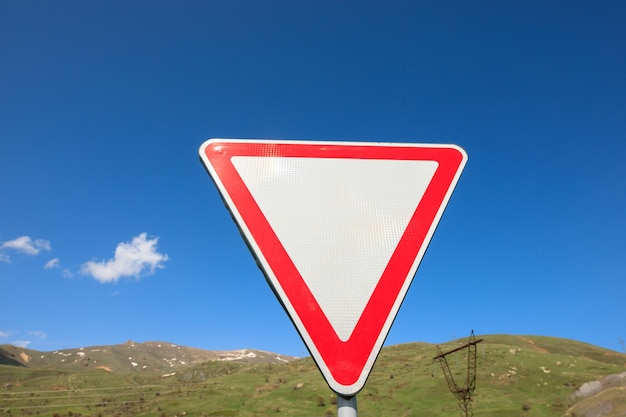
<point x="339" y="230"/>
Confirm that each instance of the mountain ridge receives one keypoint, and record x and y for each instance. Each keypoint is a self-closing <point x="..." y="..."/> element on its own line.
<point x="131" y="356"/>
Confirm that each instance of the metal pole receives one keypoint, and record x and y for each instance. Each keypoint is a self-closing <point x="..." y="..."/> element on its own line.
<point x="346" y="406"/>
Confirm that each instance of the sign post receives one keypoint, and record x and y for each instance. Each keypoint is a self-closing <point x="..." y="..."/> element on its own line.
<point x="346" y="407"/>
<point x="339" y="230"/>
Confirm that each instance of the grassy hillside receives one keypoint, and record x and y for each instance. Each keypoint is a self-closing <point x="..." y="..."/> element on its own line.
<point x="518" y="376"/>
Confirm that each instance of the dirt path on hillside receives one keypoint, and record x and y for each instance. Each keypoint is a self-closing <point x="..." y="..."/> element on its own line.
<point x="534" y="346"/>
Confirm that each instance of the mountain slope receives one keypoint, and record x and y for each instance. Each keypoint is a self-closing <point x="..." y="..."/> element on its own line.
<point x="517" y="376"/>
<point x="8" y="357"/>
<point x="130" y="357"/>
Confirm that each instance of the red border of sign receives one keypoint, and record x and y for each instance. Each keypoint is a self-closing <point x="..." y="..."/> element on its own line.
<point x="345" y="365"/>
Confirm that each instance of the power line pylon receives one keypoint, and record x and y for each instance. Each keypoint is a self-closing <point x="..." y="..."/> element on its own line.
<point x="463" y="394"/>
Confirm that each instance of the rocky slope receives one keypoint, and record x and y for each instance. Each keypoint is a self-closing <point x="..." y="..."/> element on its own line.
<point x="605" y="397"/>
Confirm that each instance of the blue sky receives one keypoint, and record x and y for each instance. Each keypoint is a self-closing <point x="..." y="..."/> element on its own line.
<point x="110" y="228"/>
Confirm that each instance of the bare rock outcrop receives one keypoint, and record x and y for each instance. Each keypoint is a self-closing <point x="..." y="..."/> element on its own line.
<point x="605" y="397"/>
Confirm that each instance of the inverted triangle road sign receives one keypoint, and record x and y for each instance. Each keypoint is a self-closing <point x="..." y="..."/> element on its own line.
<point x="339" y="230"/>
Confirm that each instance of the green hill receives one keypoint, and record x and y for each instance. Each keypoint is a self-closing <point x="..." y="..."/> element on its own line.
<point x="517" y="376"/>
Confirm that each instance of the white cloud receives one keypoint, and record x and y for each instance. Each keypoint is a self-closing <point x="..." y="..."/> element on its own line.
<point x="21" y="343"/>
<point x="4" y="334"/>
<point x="56" y="264"/>
<point x="27" y="245"/>
<point x="132" y="259"/>
<point x="52" y="263"/>
<point x="23" y="244"/>
<point x="38" y="333"/>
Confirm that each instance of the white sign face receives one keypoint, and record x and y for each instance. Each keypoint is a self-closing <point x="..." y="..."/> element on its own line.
<point x="339" y="230"/>
<point x="340" y="253"/>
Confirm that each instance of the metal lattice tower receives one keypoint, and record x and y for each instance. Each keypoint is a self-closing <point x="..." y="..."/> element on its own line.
<point x="463" y="394"/>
